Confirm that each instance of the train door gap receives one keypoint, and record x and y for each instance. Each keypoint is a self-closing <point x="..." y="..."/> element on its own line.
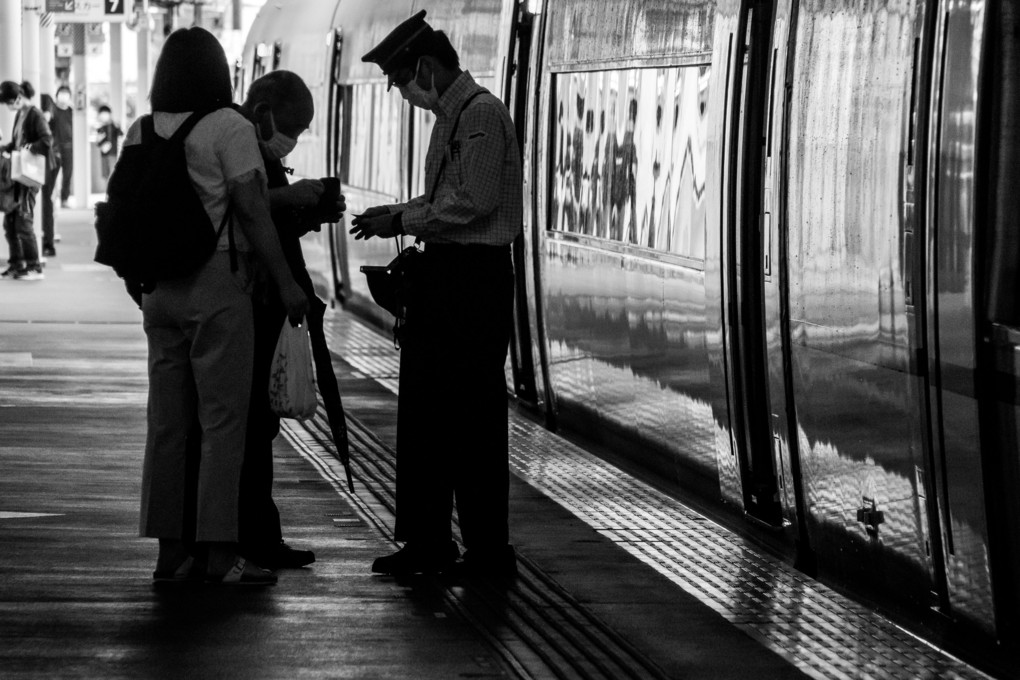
<point x="806" y="559"/>
<point x="334" y="128"/>
<point x="920" y="248"/>
<point x="748" y="352"/>
<point x="516" y="96"/>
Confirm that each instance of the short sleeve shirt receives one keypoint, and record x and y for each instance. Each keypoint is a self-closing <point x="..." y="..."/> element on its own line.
<point x="221" y="150"/>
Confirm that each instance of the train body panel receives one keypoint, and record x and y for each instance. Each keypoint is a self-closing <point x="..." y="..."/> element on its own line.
<point x="750" y="256"/>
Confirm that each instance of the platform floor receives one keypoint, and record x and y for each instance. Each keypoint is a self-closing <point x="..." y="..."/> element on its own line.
<point x="616" y="580"/>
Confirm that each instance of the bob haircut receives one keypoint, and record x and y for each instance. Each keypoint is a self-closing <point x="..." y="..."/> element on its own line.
<point x="10" y="91"/>
<point x="191" y="73"/>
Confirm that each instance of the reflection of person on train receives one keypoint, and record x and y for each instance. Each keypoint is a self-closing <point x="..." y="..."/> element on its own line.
<point x="574" y="217"/>
<point x="625" y="180"/>
<point x="280" y="105"/>
<point x="609" y="215"/>
<point x="452" y="428"/>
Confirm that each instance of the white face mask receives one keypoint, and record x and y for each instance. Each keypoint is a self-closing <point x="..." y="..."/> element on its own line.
<point x="278" y="145"/>
<point x="415" y="96"/>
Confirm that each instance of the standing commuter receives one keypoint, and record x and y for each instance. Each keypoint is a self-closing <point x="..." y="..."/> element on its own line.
<point x="62" y="125"/>
<point x="108" y="136"/>
<point x="452" y="437"/>
<point x="281" y="107"/>
<point x="199" y="327"/>
<point x="31" y="132"/>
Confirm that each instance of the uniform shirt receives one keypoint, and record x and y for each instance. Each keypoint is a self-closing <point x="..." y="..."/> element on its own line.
<point x="222" y="151"/>
<point x="478" y="197"/>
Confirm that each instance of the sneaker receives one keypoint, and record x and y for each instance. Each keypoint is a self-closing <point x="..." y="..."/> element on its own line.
<point x="34" y="274"/>
<point x="49" y="251"/>
<point x="9" y="272"/>
<point x="64" y="204"/>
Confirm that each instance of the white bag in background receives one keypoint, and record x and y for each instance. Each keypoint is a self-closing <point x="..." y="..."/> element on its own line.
<point x="292" y="378"/>
<point x="28" y="168"/>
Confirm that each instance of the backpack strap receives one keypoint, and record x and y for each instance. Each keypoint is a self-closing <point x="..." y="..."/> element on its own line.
<point x="149" y="127"/>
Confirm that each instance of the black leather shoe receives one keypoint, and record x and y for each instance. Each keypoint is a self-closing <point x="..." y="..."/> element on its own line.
<point x="415" y="559"/>
<point x="492" y="563"/>
<point x="281" y="556"/>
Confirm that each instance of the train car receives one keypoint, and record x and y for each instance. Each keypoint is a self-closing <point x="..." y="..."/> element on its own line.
<point x="769" y="256"/>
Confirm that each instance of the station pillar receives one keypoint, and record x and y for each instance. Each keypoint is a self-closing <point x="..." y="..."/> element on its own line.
<point x="10" y="56"/>
<point x="30" y="67"/>
<point x="144" y="56"/>
<point x="47" y="58"/>
<point x="80" y="103"/>
<point x="117" y="99"/>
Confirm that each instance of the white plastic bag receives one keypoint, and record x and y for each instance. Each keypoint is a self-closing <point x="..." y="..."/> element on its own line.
<point x="28" y="168"/>
<point x="292" y="379"/>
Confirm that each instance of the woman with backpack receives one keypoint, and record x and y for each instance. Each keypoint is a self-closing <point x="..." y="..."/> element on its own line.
<point x="31" y="131"/>
<point x="199" y="327"/>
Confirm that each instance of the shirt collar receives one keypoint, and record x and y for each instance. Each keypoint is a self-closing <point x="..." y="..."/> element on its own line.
<point x="453" y="99"/>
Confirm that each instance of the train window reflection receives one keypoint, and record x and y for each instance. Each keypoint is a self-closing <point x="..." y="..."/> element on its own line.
<point x="373" y="147"/>
<point x="629" y="157"/>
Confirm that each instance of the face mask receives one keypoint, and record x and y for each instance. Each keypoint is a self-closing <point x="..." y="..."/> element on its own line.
<point x="415" y="96"/>
<point x="278" y="145"/>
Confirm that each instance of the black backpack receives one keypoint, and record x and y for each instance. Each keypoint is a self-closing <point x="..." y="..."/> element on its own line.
<point x="153" y="226"/>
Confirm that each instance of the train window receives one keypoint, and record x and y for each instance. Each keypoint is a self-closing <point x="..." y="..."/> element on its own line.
<point x="629" y="157"/>
<point x="375" y="140"/>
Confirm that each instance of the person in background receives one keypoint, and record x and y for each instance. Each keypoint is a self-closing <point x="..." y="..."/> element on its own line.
<point x="31" y="131"/>
<point x="452" y="424"/>
<point x="199" y="327"/>
<point x="62" y="125"/>
<point x="108" y="139"/>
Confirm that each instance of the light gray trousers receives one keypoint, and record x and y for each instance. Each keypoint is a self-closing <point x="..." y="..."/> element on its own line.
<point x="201" y="345"/>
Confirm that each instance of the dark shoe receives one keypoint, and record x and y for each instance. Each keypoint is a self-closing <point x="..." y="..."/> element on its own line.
<point x="493" y="563"/>
<point x="281" y="556"/>
<point x="412" y="559"/>
<point x="243" y="573"/>
<point x="10" y="272"/>
<point x="186" y="572"/>
<point x="49" y="251"/>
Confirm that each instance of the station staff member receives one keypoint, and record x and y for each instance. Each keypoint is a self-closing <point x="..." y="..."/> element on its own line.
<point x="452" y="438"/>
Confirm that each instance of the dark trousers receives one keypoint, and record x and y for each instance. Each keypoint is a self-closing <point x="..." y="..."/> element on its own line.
<point x="452" y="439"/>
<point x="47" y="204"/>
<point x="66" y="163"/>
<point x="258" y="516"/>
<point x="19" y="232"/>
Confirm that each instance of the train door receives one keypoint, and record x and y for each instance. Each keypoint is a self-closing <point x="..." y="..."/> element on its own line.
<point x="999" y="312"/>
<point x="745" y="262"/>
<point x="972" y="324"/>
<point x="516" y="96"/>
<point x="334" y="160"/>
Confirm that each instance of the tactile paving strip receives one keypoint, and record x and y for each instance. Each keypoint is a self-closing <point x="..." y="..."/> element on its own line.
<point x="538" y="629"/>
<point x="822" y="632"/>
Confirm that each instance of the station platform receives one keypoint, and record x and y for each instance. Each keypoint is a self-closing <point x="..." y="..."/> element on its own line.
<point x="617" y="580"/>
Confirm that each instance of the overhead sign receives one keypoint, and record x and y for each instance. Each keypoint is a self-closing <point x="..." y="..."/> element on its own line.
<point x="87" y="11"/>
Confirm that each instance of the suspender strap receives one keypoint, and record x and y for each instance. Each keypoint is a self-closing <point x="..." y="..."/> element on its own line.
<point x="453" y="133"/>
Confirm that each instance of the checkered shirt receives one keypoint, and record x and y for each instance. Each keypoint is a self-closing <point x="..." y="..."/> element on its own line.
<point x="478" y="198"/>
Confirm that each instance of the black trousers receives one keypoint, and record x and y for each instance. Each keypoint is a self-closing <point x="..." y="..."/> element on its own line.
<point x="452" y="439"/>
<point x="23" y="249"/>
<point x="47" y="204"/>
<point x="66" y="170"/>
<point x="258" y="522"/>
